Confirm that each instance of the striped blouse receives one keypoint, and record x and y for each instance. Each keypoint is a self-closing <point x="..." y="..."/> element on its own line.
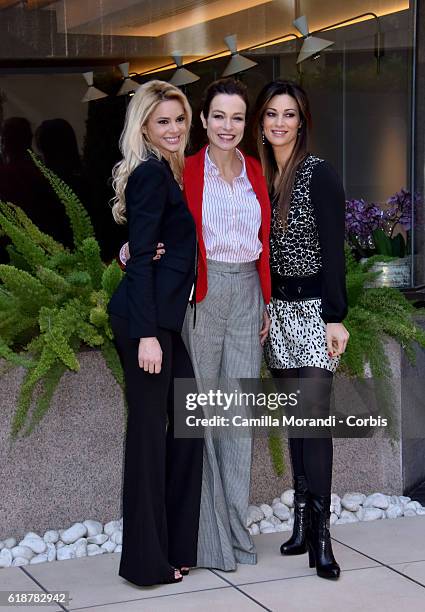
<point x="231" y="216"/>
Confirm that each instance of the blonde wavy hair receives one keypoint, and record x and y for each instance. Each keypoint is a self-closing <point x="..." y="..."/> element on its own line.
<point x="135" y="145"/>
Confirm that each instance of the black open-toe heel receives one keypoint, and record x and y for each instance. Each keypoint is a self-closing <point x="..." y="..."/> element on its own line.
<point x="184" y="571"/>
<point x="174" y="579"/>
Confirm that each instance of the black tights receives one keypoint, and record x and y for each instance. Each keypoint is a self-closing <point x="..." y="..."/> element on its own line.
<point x="311" y="456"/>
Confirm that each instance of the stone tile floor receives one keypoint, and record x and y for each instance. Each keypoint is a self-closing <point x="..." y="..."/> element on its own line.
<point x="383" y="565"/>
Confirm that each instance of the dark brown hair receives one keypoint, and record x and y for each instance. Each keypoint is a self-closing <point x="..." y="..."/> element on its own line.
<point x="228" y="86"/>
<point x="265" y="150"/>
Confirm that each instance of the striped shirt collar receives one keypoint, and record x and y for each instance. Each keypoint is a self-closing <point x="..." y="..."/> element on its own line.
<point x="211" y="168"/>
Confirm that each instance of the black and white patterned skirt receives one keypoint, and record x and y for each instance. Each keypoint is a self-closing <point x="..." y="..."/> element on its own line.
<point x="297" y="336"/>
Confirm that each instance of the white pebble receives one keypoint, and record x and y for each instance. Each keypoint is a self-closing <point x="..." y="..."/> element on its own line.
<point x="22" y="551"/>
<point x="59" y="544"/>
<point x="281" y="511"/>
<point x="335" y="506"/>
<point x="111" y="527"/>
<point x="71" y="535"/>
<point x="51" y="536"/>
<point x="108" y="546"/>
<point x="412" y="505"/>
<point x="116" y="537"/>
<point x="266" y="526"/>
<point x="118" y="548"/>
<point x="347" y="517"/>
<point x="65" y="552"/>
<point x="254" y="515"/>
<point x="99" y="539"/>
<point x="283" y="527"/>
<point x="394" y="511"/>
<point x="376" y="500"/>
<point x="352" y="501"/>
<point x="333" y="518"/>
<point x="276" y="500"/>
<point x="369" y="514"/>
<point x="404" y="499"/>
<point x="267" y="510"/>
<point x="5" y="557"/>
<point x="274" y="520"/>
<point x="37" y="544"/>
<point x="41" y="558"/>
<point x="1" y="544"/>
<point x="80" y="548"/>
<point x="287" y="498"/>
<point x="255" y="530"/>
<point x="51" y="552"/>
<point x="32" y="534"/>
<point x="10" y="542"/>
<point x="94" y="549"/>
<point x="94" y="528"/>
<point x="18" y="561"/>
<point x="409" y="512"/>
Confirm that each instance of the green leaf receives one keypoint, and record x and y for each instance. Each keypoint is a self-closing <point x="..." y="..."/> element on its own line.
<point x="90" y="253"/>
<point x="81" y="224"/>
<point x="111" y="278"/>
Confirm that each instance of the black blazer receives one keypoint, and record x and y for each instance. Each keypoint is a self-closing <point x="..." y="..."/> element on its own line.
<point x="155" y="294"/>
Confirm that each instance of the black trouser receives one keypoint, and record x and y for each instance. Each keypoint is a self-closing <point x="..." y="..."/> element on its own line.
<point x="162" y="475"/>
<point x="312" y="455"/>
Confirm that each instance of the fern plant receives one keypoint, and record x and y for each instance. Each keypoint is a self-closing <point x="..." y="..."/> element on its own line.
<point x="52" y="302"/>
<point x="373" y="314"/>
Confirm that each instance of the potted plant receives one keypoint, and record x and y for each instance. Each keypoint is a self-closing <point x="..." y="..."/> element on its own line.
<point x="383" y="231"/>
<point x="52" y="302"/>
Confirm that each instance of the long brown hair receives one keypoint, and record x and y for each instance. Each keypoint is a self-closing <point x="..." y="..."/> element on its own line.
<point x="265" y="150"/>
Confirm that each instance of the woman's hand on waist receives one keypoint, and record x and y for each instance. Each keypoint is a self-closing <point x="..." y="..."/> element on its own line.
<point x="150" y="355"/>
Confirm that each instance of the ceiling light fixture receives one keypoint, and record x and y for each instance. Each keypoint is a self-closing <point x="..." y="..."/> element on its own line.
<point x="182" y="76"/>
<point x="237" y="63"/>
<point x="92" y="92"/>
<point x="312" y="45"/>
<point x="129" y="86"/>
<point x="379" y="36"/>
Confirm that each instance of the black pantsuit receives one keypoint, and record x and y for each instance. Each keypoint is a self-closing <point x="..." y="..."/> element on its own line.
<point x="160" y="523"/>
<point x="162" y="475"/>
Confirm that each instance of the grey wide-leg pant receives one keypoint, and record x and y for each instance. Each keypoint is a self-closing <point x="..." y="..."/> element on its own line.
<point x="223" y="345"/>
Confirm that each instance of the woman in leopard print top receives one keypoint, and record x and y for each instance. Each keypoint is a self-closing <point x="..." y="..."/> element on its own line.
<point x="308" y="302"/>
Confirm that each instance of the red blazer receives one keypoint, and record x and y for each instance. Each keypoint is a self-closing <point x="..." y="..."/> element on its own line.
<point x="193" y="181"/>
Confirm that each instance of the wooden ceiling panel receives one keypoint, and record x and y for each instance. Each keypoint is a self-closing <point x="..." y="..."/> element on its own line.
<point x="29" y="4"/>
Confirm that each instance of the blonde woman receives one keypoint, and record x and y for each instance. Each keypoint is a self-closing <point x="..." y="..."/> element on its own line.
<point x="162" y="475"/>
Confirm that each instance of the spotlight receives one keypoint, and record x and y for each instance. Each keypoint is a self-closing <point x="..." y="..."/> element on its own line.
<point x="237" y="62"/>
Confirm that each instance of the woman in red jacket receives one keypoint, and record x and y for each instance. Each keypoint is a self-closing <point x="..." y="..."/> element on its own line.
<point x="227" y="195"/>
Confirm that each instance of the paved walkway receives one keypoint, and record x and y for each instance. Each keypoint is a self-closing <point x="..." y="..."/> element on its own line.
<point x="383" y="565"/>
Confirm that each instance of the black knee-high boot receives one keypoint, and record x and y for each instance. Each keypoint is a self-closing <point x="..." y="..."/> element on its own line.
<point x="319" y="545"/>
<point x="296" y="545"/>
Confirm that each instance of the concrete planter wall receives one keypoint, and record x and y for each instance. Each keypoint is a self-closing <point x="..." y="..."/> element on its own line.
<point x="70" y="468"/>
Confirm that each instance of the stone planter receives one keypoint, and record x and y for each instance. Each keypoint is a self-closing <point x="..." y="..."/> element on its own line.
<point x="394" y="273"/>
<point x="70" y="468"/>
